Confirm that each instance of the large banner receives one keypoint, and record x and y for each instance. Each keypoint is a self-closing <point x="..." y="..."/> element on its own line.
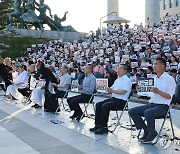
<point x="101" y="85"/>
<point x="145" y="87"/>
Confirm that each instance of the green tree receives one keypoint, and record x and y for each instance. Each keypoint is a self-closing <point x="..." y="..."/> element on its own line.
<point x="12" y="45"/>
<point x="6" y="6"/>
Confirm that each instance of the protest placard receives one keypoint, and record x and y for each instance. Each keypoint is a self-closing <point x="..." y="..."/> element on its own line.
<point x="177" y="53"/>
<point x="74" y="85"/>
<point x="101" y="85"/>
<point x="134" y="64"/>
<point x="145" y="87"/>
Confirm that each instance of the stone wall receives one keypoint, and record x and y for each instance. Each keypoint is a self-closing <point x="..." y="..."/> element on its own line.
<point x="65" y="36"/>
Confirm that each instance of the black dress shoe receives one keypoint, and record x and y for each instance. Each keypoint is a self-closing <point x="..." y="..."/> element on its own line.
<point x="143" y="137"/>
<point x="74" y="115"/>
<point x="37" y="106"/>
<point x="101" y="130"/>
<point x="79" y="116"/>
<point x="151" y="136"/>
<point x="96" y="127"/>
<point x="34" y="105"/>
<point x="58" y="110"/>
<point x="46" y="110"/>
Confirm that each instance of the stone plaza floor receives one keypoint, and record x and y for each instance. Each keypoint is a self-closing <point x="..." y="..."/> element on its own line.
<point x="25" y="130"/>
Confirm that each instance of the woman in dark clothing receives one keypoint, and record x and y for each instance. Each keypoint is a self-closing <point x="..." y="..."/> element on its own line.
<point x="6" y="72"/>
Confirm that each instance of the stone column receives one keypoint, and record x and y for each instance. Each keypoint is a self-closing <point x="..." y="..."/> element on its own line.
<point x="112" y="6"/>
<point x="152" y="10"/>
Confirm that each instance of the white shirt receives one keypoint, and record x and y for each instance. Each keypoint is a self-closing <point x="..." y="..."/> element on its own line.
<point x="22" y="78"/>
<point x="166" y="84"/>
<point x="122" y="83"/>
<point x="65" y="80"/>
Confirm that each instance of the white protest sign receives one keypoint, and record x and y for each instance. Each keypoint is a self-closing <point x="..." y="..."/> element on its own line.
<point x="101" y="85"/>
<point x="145" y="87"/>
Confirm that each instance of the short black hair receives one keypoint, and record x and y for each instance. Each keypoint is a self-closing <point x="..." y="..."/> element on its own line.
<point x="23" y="66"/>
<point x="90" y="66"/>
<point x="142" y="70"/>
<point x="162" y="61"/>
<point x="173" y="71"/>
<point x="65" y="67"/>
<point x="150" y="68"/>
<point x="135" y="70"/>
<point x="125" y="67"/>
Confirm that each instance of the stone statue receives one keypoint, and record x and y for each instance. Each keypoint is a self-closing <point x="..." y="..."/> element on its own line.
<point x="24" y="11"/>
<point x="30" y="16"/>
<point x="17" y="12"/>
<point x="57" y="21"/>
<point x="43" y="17"/>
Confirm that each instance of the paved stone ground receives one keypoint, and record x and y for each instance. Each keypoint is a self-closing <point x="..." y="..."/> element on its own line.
<point x="26" y="130"/>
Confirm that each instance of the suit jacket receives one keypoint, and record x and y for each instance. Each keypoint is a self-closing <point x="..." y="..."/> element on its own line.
<point x="47" y="75"/>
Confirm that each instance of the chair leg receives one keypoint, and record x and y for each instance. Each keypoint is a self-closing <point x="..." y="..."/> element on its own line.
<point x="171" y="125"/>
<point x="94" y="107"/>
<point x="160" y="131"/>
<point x="62" y="99"/>
<point x="85" y="113"/>
<point x="57" y="107"/>
<point x="131" y="127"/>
<point x="139" y="133"/>
<point x="59" y="104"/>
<point x="119" y="119"/>
<point x="28" y="100"/>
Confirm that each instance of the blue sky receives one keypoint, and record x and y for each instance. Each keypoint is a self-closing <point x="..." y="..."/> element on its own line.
<point x="84" y="15"/>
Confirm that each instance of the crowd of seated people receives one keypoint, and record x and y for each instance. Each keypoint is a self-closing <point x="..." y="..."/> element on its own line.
<point x="50" y="67"/>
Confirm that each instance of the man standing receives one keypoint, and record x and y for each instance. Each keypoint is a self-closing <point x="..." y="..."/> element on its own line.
<point x="87" y="89"/>
<point x="120" y="91"/>
<point x="164" y="89"/>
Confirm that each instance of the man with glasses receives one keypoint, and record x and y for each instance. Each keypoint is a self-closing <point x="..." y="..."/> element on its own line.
<point x="164" y="89"/>
<point x="87" y="88"/>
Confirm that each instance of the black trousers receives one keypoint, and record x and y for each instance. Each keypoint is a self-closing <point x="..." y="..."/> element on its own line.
<point x="7" y="83"/>
<point x="103" y="109"/>
<point x="25" y="92"/>
<point x="2" y="87"/>
<point x="74" y="102"/>
<point x="51" y="100"/>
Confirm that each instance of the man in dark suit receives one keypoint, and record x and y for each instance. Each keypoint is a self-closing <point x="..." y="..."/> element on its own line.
<point x="4" y="74"/>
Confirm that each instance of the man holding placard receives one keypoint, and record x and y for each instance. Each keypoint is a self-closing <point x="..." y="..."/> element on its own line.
<point x="120" y="91"/>
<point x="164" y="89"/>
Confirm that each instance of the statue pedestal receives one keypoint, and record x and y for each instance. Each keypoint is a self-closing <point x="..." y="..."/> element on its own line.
<point x="65" y="36"/>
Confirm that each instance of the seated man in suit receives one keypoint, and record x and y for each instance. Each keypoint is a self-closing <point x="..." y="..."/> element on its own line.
<point x="87" y="89"/>
<point x="164" y="89"/>
<point x="120" y="91"/>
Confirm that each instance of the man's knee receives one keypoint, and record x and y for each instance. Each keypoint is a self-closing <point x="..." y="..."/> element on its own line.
<point x="76" y="100"/>
<point x="132" y="111"/>
<point x="99" y="105"/>
<point x="106" y="107"/>
<point x="148" y="113"/>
